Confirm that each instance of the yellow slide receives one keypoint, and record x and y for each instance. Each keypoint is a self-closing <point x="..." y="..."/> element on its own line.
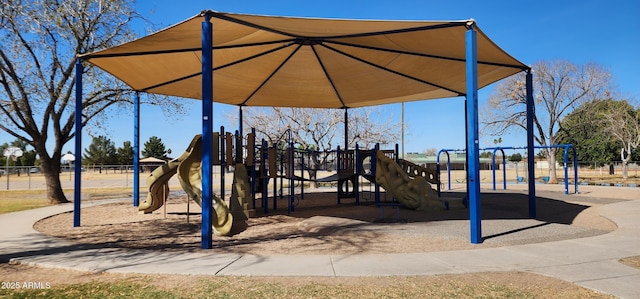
<point x="415" y="193"/>
<point x="189" y="169"/>
<point x="158" y="183"/>
<point x="190" y="177"/>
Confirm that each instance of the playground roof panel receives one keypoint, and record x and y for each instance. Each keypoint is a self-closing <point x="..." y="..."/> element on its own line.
<point x="305" y="62"/>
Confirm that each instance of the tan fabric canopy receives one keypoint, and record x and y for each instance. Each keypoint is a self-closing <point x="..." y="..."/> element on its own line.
<point x="302" y="62"/>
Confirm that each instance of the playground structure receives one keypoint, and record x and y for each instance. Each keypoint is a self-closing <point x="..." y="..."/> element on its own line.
<point x="408" y="184"/>
<point x="566" y="148"/>
<point x="164" y="63"/>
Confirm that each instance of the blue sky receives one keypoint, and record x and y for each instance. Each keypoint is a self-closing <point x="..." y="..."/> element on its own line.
<point x="605" y="32"/>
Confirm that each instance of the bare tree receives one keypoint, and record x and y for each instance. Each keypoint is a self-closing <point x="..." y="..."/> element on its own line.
<point x="432" y="151"/>
<point x="322" y="129"/>
<point x="38" y="46"/>
<point x="622" y="123"/>
<point x="559" y="86"/>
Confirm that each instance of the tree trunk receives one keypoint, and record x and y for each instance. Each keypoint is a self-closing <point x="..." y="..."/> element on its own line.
<point x="553" y="177"/>
<point x="625" y="173"/>
<point x="313" y="175"/>
<point x="51" y="171"/>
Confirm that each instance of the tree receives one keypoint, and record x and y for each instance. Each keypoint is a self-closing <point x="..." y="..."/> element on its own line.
<point x="559" y="87"/>
<point x="319" y="129"/>
<point x="154" y="148"/>
<point x="516" y="157"/>
<point x="603" y="130"/>
<point x="125" y="153"/>
<point x="432" y="151"/>
<point x="486" y="154"/>
<point x="40" y="40"/>
<point x="583" y="128"/>
<point x="28" y="157"/>
<point x="622" y="123"/>
<point x="101" y="151"/>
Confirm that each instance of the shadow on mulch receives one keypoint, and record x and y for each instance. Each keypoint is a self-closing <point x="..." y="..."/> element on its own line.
<point x="551" y="207"/>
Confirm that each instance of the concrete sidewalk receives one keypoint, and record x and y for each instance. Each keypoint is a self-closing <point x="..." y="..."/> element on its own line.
<point x="590" y="262"/>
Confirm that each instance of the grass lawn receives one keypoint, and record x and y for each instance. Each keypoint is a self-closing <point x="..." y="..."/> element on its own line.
<point x="19" y="200"/>
<point x="488" y="285"/>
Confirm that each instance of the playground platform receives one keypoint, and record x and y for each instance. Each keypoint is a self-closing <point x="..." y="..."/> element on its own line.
<point x="591" y="262"/>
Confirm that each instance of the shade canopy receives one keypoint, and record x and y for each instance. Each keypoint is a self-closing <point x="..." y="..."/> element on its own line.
<point x="152" y="160"/>
<point x="305" y="62"/>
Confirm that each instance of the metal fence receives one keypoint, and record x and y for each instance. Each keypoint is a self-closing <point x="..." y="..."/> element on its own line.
<point x="30" y="177"/>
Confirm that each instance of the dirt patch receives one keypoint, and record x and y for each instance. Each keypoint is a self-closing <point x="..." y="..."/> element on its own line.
<point x="320" y="226"/>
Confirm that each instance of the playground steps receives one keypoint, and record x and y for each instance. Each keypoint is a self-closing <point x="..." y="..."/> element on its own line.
<point x="454" y="203"/>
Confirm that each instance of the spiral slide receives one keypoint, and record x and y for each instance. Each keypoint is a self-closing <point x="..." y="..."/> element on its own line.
<point x="188" y="167"/>
<point x="190" y="176"/>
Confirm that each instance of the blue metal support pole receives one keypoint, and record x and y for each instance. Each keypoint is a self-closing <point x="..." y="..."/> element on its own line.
<point x="338" y="162"/>
<point x="358" y="170"/>
<point x="473" y="146"/>
<point x="223" y="159"/>
<point x="207" y="128"/>
<point x="530" y="145"/>
<point x="504" y="170"/>
<point x="136" y="150"/>
<point x="374" y="167"/>
<point x="265" y="178"/>
<point x="346" y="129"/>
<point x="566" y="170"/>
<point x="493" y="168"/>
<point x="253" y="167"/>
<point x="240" y="120"/>
<point x="575" y="169"/>
<point x="78" y="149"/>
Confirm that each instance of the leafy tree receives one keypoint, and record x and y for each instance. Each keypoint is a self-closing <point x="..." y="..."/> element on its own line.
<point x="125" y="153"/>
<point x="559" y="87"/>
<point x="28" y="157"/>
<point x="622" y="122"/>
<point x="101" y="151"/>
<point x="516" y="157"/>
<point x="604" y="130"/>
<point x="154" y="148"/>
<point x="485" y="154"/>
<point x="3" y="159"/>
<point x="583" y="128"/>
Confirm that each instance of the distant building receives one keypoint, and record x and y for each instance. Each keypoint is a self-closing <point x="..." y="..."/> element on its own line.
<point x="457" y="161"/>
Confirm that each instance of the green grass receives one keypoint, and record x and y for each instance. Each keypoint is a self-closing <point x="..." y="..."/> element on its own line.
<point x="20" y="200"/>
<point x="8" y="205"/>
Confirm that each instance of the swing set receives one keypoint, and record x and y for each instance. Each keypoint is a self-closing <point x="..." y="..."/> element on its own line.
<point x="566" y="148"/>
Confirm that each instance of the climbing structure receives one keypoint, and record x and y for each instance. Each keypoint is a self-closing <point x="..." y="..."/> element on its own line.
<point x="413" y="192"/>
